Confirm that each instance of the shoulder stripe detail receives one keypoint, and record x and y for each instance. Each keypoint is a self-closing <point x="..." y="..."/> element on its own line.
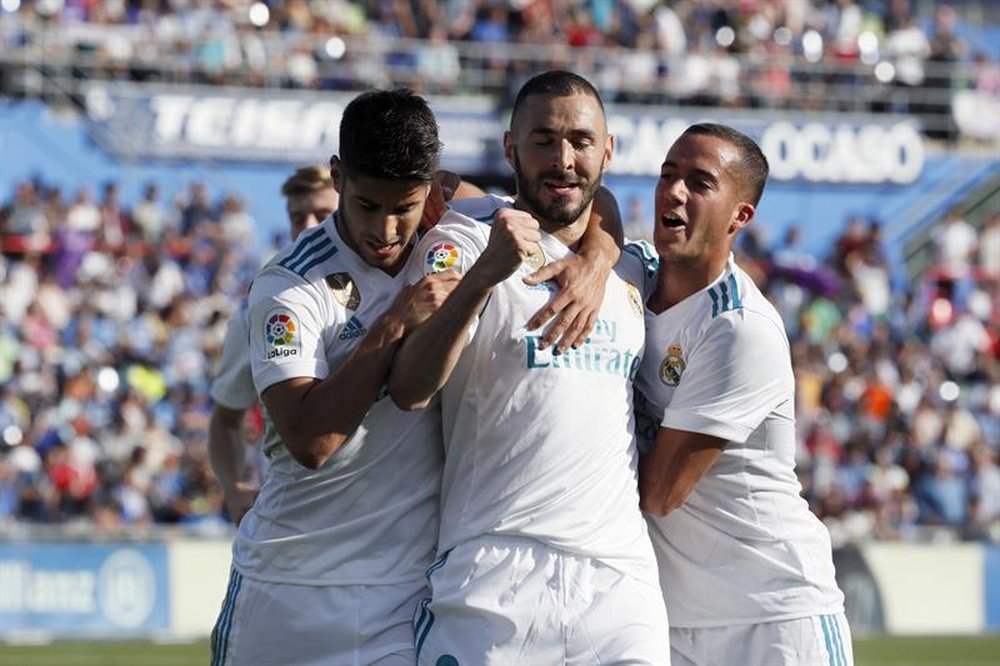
<point x="305" y="241"/>
<point x="724" y="290"/>
<point x="734" y="292"/>
<point x="725" y="296"/>
<point x="307" y="244"/>
<point x="302" y="270"/>
<point x="645" y="253"/>
<point x="306" y="258"/>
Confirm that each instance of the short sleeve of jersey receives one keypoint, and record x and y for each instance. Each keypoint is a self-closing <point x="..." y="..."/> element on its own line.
<point x="286" y="325"/>
<point x="233" y="384"/>
<point x="454" y="243"/>
<point x="645" y="263"/>
<point x="737" y="374"/>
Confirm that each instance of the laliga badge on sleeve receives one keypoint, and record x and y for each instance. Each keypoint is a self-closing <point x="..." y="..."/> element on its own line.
<point x="282" y="335"/>
<point x="441" y="257"/>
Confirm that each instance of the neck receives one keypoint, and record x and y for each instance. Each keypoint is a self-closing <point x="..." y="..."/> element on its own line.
<point x="676" y="281"/>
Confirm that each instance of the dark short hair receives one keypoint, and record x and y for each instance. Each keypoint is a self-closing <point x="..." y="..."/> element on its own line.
<point x="306" y="180"/>
<point x="752" y="168"/>
<point x="389" y="134"/>
<point x="558" y="83"/>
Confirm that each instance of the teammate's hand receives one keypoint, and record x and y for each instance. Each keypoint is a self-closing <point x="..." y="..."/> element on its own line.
<point x="415" y="303"/>
<point x="575" y="307"/>
<point x="514" y="237"/>
<point x="238" y="500"/>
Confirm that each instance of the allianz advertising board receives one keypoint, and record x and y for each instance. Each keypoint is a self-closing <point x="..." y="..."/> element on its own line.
<point x="83" y="589"/>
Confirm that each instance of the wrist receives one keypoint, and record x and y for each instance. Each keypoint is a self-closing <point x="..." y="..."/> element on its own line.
<point x="387" y="328"/>
<point x="479" y="281"/>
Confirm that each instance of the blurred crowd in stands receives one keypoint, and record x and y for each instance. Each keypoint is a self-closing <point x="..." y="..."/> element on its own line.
<point x="112" y="317"/>
<point x="111" y="320"/>
<point x="860" y="55"/>
<point x="898" y="404"/>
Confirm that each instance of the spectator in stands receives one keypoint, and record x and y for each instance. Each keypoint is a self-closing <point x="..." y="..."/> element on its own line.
<point x="954" y="244"/>
<point x="946" y="50"/>
<point x="989" y="250"/>
<point x="941" y="493"/>
<point x="148" y="214"/>
<point x="984" y="493"/>
<point x="27" y="226"/>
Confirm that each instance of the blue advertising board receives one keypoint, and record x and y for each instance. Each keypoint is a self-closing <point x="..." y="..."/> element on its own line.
<point x="83" y="589"/>
<point x="991" y="580"/>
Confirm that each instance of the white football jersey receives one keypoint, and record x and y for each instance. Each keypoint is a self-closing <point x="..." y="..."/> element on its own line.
<point x="539" y="445"/>
<point x="744" y="547"/>
<point x="370" y="513"/>
<point x="233" y="384"/>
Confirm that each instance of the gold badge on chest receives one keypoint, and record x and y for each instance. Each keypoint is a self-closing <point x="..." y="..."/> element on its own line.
<point x="344" y="290"/>
<point x="536" y="259"/>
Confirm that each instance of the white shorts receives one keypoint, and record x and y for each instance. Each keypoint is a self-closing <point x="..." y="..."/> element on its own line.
<point x="306" y="625"/>
<point x="501" y="600"/>
<point x="820" y="640"/>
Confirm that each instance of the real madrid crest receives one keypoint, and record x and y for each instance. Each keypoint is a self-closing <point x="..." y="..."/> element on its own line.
<point x="673" y="366"/>
<point x="344" y="290"/>
<point x="634" y="299"/>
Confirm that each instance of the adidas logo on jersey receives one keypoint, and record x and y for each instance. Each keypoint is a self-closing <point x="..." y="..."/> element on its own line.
<point x="352" y="329"/>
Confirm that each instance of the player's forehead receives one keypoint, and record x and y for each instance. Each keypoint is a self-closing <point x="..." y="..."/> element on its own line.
<point x="702" y="153"/>
<point x="385" y="192"/>
<point x="579" y="112"/>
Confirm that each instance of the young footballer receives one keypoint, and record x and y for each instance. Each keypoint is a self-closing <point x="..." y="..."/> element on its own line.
<point x="746" y="569"/>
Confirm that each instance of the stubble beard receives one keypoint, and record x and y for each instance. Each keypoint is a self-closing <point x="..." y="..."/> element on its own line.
<point x="554" y="213"/>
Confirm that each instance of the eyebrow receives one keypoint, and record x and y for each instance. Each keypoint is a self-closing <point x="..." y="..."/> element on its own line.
<point x="701" y="173"/>
<point x="577" y="132"/>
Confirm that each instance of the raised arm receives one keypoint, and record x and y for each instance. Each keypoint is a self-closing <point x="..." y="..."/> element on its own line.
<point x="427" y="357"/>
<point x="582" y="278"/>
<point x="672" y="467"/>
<point x="315" y="417"/>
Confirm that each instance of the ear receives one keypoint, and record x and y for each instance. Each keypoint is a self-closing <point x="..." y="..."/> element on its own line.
<point x="335" y="174"/>
<point x="508" y="148"/>
<point x="609" y="151"/>
<point x="741" y="216"/>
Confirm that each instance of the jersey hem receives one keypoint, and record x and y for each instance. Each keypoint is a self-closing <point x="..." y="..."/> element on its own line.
<point x="761" y="619"/>
<point x="277" y="374"/>
<point x="228" y="404"/>
<point x="418" y="580"/>
<point x="679" y="420"/>
<point x="615" y="562"/>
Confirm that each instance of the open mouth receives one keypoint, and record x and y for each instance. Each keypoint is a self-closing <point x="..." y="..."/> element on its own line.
<point x="383" y="250"/>
<point x="672" y="222"/>
<point x="560" y="187"/>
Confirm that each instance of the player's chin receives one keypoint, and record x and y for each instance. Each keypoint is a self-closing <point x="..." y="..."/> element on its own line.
<point x="667" y="247"/>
